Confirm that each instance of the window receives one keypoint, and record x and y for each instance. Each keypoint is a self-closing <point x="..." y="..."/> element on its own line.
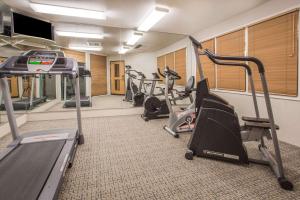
<point x="117" y="85"/>
<point x="180" y="65"/>
<point x="117" y="70"/>
<point x="274" y="42"/>
<point x="161" y="63"/>
<point x="175" y="61"/>
<point x="170" y="60"/>
<point x="229" y="77"/>
<point x="78" y="56"/>
<point x="208" y="66"/>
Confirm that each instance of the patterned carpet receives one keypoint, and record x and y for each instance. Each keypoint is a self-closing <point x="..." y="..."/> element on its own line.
<point x="99" y="102"/>
<point x="127" y="158"/>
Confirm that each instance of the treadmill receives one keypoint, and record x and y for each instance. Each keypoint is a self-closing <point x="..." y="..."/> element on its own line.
<point x="30" y="102"/>
<point x="27" y="103"/>
<point x="34" y="164"/>
<point x="85" y="101"/>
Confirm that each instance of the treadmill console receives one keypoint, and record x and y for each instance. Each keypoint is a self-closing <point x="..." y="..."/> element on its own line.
<point x="39" y="63"/>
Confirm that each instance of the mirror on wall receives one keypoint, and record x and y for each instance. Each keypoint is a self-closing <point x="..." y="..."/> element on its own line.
<point x="101" y="60"/>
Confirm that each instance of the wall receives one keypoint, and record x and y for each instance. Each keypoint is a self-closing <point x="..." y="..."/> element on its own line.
<point x="144" y="62"/>
<point x="286" y="109"/>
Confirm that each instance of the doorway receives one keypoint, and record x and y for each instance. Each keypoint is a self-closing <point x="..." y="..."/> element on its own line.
<point x="117" y="77"/>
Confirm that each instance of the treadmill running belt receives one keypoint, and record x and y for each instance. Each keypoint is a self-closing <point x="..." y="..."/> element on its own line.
<point x="25" y="170"/>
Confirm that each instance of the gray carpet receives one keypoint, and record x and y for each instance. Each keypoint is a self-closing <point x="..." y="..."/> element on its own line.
<point x="127" y="158"/>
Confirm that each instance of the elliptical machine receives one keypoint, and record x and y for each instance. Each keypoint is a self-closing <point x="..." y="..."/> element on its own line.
<point x="131" y="87"/>
<point x="155" y="108"/>
<point x="218" y="134"/>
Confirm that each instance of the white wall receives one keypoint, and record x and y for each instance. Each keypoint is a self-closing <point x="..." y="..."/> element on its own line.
<point x="286" y="109"/>
<point x="144" y="62"/>
<point x="88" y="81"/>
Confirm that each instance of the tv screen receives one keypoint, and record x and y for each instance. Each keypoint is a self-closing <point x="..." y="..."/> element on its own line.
<point x="30" y="26"/>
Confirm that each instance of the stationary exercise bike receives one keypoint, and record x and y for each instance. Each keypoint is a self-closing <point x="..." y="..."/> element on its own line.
<point x="186" y="93"/>
<point x="217" y="132"/>
<point x="155" y="108"/>
<point x="181" y="121"/>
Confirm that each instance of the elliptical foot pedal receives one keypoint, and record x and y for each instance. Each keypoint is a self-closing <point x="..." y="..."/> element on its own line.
<point x="285" y="184"/>
<point x="189" y="155"/>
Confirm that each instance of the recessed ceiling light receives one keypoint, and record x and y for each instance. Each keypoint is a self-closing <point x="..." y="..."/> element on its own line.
<point x="80" y="35"/>
<point x="67" y="11"/>
<point x="85" y="48"/>
<point x="154" y="16"/>
<point x="123" y="50"/>
<point x="134" y="38"/>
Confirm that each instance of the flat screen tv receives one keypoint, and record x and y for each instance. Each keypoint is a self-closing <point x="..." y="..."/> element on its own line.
<point x="25" y="25"/>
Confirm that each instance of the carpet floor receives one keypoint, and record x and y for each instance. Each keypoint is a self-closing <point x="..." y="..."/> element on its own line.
<point x="126" y="158"/>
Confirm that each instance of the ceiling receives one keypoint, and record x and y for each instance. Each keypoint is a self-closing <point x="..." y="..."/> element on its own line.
<point x="123" y="16"/>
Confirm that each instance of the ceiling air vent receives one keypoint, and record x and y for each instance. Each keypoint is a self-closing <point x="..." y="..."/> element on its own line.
<point x="138" y="46"/>
<point x="94" y="44"/>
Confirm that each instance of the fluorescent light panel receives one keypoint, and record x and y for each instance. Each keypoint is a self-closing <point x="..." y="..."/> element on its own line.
<point x="134" y="38"/>
<point x="156" y="15"/>
<point x="67" y="11"/>
<point x="80" y="35"/>
<point x="123" y="50"/>
<point x="85" y="48"/>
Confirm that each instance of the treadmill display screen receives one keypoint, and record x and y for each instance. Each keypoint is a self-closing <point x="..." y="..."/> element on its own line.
<point x="41" y="61"/>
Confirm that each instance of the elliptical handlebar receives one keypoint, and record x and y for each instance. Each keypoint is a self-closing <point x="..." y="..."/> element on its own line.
<point x="173" y="75"/>
<point x="128" y="67"/>
<point x="155" y="75"/>
<point x="160" y="73"/>
<point x="212" y="56"/>
<point x="141" y="75"/>
<point x="132" y="76"/>
<point x="258" y="63"/>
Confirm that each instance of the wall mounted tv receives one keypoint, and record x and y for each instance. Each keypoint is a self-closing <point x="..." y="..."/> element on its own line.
<point x="25" y="25"/>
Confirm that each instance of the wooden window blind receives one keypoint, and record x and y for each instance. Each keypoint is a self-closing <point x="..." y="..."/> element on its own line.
<point x="208" y="66"/>
<point x="231" y="78"/>
<point x="170" y="60"/>
<point x="180" y="65"/>
<point x="161" y="63"/>
<point x="98" y="74"/>
<point x="14" y="86"/>
<point x="13" y="82"/>
<point x="275" y="43"/>
<point x="79" y="56"/>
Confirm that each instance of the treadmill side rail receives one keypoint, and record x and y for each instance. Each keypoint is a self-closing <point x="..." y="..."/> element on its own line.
<point x="54" y="181"/>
